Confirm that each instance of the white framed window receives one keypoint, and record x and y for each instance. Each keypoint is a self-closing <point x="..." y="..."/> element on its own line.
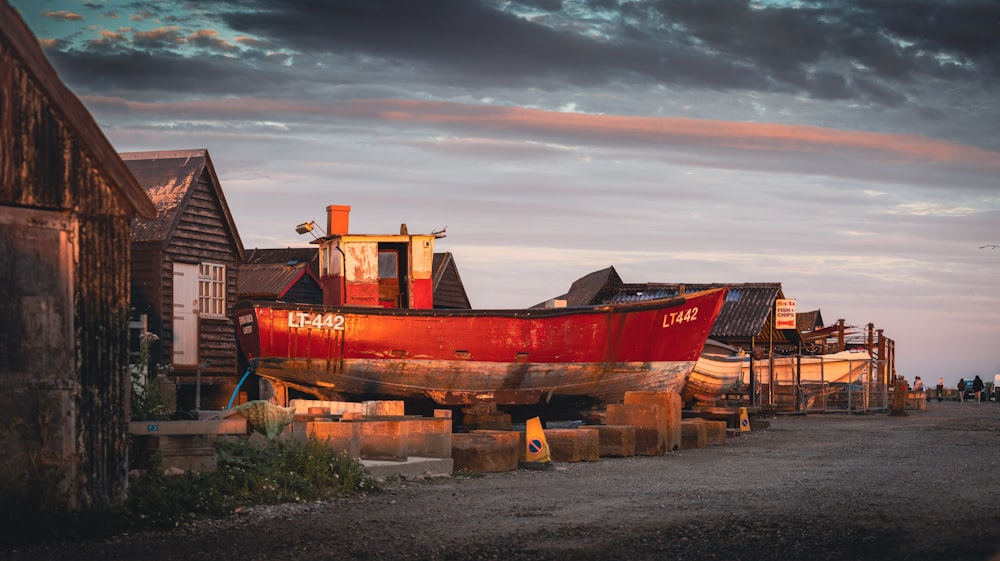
<point x="212" y="289"/>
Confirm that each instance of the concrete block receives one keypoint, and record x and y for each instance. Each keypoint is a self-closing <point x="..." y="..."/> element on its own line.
<point x="383" y="439"/>
<point x="341" y="437"/>
<point x="302" y="406"/>
<point x="573" y="445"/>
<point x="616" y="441"/>
<point x="429" y="437"/>
<point x="485" y="451"/>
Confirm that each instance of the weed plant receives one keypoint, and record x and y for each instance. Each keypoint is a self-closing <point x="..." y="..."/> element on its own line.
<point x="248" y="474"/>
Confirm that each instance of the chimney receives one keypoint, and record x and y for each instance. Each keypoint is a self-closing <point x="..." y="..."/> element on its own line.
<point x="337" y="218"/>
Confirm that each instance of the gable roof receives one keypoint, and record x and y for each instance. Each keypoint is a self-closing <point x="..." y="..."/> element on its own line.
<point x="270" y="273"/>
<point x="169" y="178"/>
<point x="76" y="116"/>
<point x="271" y="280"/>
<point x="448" y="288"/>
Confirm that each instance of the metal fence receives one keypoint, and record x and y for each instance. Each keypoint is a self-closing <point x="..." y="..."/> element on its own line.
<point x="821" y="383"/>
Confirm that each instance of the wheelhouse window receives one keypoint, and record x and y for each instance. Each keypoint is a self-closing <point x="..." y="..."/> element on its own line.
<point x="212" y="289"/>
<point x="388" y="265"/>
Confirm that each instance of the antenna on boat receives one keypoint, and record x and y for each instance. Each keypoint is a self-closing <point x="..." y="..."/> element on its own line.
<point x="307" y="227"/>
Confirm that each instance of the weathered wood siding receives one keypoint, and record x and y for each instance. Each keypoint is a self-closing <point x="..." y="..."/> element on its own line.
<point x="43" y="165"/>
<point x="201" y="236"/>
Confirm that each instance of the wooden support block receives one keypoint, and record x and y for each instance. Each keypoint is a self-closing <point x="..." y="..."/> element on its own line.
<point x="573" y="445"/>
<point x="650" y="425"/>
<point x="495" y="421"/>
<point x="694" y="434"/>
<point x="616" y="441"/>
<point x="716" y="432"/>
<point x="480" y="409"/>
<point x="236" y="424"/>
<point x="384" y="408"/>
<point x="672" y="405"/>
<point x="178" y="452"/>
<point x="485" y="451"/>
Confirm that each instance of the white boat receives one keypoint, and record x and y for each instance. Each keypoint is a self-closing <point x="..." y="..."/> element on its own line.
<point x="717" y="371"/>
<point x="845" y="367"/>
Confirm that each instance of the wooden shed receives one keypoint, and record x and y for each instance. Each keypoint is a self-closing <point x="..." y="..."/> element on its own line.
<point x="185" y="264"/>
<point x="66" y="204"/>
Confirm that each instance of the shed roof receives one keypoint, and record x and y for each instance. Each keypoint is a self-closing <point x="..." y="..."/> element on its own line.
<point x="283" y="256"/>
<point x="744" y="313"/>
<point x="271" y="280"/>
<point x="169" y="178"/>
<point x="27" y="49"/>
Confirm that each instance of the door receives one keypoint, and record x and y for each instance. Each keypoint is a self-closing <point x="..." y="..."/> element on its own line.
<point x="185" y="315"/>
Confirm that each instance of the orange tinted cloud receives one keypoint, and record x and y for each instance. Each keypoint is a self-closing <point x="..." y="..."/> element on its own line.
<point x="597" y="129"/>
<point x="63" y="14"/>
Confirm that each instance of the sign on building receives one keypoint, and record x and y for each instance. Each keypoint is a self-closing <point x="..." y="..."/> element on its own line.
<point x="784" y="314"/>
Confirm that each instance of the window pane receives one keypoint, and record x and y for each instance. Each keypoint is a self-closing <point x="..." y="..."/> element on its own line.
<point x="387" y="265"/>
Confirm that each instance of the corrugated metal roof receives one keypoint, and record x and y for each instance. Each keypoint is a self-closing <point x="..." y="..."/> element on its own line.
<point x="284" y="256"/>
<point x="743" y="314"/>
<point x="269" y="280"/>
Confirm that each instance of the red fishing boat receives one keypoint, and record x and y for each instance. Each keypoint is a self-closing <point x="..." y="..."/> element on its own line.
<point x="377" y="334"/>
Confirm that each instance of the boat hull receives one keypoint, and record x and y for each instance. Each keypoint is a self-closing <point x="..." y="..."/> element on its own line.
<point x="711" y="377"/>
<point x="474" y="356"/>
<point x="845" y="367"/>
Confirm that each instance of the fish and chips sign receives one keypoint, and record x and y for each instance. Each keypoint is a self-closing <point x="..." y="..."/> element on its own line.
<point x="784" y="314"/>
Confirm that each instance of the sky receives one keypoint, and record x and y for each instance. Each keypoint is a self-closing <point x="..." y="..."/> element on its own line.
<point x="846" y="149"/>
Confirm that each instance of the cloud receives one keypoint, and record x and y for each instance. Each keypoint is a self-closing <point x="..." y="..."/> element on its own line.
<point x="63" y="15"/>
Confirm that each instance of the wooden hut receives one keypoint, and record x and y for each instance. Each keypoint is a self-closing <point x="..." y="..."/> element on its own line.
<point x="66" y="203"/>
<point x="185" y="265"/>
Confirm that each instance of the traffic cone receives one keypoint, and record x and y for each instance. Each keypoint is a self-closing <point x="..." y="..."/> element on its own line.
<point x="744" y="420"/>
<point x="537" y="454"/>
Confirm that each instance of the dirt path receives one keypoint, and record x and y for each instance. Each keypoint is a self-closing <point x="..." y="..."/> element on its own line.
<point x="859" y="487"/>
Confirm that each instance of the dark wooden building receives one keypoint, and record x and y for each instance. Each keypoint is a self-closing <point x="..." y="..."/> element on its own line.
<point x="449" y="291"/>
<point x="185" y="265"/>
<point x="66" y="204"/>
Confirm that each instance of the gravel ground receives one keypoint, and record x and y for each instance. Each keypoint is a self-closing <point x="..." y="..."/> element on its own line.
<point x="851" y="487"/>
